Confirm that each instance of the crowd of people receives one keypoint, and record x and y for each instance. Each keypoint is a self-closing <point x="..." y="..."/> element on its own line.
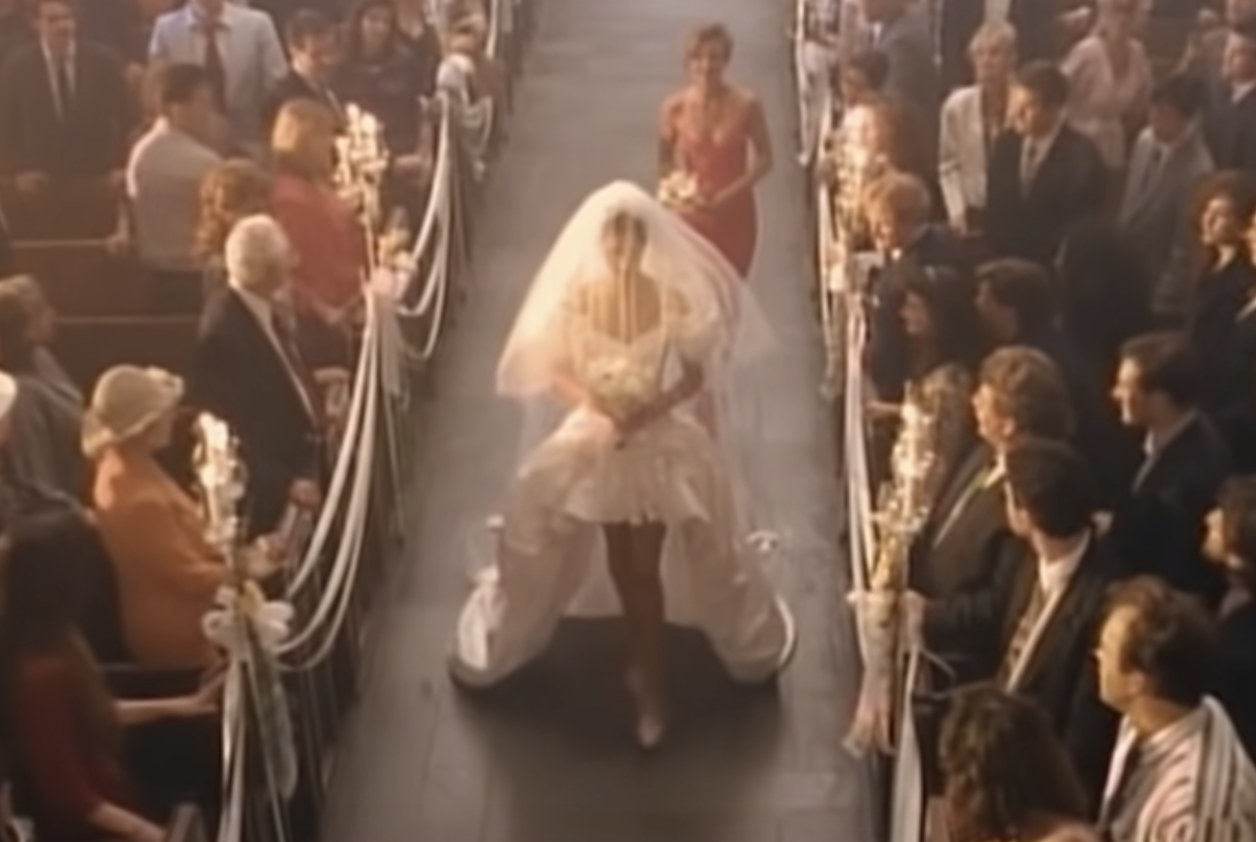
<point x="1064" y="286"/>
<point x="218" y="141"/>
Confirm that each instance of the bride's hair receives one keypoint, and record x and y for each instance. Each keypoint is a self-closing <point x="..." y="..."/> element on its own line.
<point x="624" y="224"/>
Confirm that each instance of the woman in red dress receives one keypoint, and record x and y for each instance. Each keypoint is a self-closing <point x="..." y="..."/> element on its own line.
<point x="715" y="134"/>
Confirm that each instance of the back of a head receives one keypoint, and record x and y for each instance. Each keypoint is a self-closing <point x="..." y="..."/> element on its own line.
<point x="178" y="84"/>
<point x="1030" y="390"/>
<point x="1021" y="286"/>
<point x="306" y="25"/>
<point x="1045" y="81"/>
<point x="255" y="248"/>
<point x="42" y="571"/>
<point x="1053" y="485"/>
<point x="1182" y="92"/>
<point x="1166" y="365"/>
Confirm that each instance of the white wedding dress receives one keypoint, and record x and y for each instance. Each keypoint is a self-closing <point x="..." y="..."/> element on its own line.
<point x="550" y="554"/>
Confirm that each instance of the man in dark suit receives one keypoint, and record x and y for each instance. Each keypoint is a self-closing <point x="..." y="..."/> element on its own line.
<point x="312" y="42"/>
<point x="1042" y="176"/>
<point x="898" y="212"/>
<point x="1017" y="306"/>
<point x="1043" y="629"/>
<point x="1159" y="529"/>
<point x="248" y="372"/>
<point x="1230" y="126"/>
<point x="965" y="557"/>
<point x="65" y="110"/>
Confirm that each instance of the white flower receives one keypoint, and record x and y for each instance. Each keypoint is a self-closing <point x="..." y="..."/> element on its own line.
<point x="678" y="189"/>
<point x="618" y="385"/>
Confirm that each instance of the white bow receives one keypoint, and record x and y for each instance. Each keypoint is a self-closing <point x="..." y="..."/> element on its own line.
<point x="240" y="611"/>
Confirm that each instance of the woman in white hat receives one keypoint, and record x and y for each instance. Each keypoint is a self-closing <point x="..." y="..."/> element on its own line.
<point x="167" y="573"/>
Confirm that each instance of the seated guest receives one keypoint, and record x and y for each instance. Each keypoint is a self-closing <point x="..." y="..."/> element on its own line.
<point x="1104" y="292"/>
<point x="965" y="546"/>
<point x="65" y="728"/>
<point x="164" y="179"/>
<point x="327" y="243"/>
<point x="1230" y="125"/>
<point x="65" y="110"/>
<point x="1007" y="775"/>
<point x="314" y="45"/>
<point x="1231" y="544"/>
<point x="1178" y="770"/>
<point x="229" y="192"/>
<point x="1016" y="305"/>
<point x="248" y="372"/>
<point x="1159" y="529"/>
<point x="1043" y="175"/>
<point x="898" y="214"/>
<point x="167" y="575"/>
<point x="1169" y="161"/>
<point x="239" y="49"/>
<point x="1040" y="630"/>
<point x="972" y="118"/>
<point x="43" y="457"/>
<point x="1227" y="280"/>
<point x="378" y="74"/>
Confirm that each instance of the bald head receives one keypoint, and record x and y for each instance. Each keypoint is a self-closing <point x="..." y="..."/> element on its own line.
<point x="258" y="255"/>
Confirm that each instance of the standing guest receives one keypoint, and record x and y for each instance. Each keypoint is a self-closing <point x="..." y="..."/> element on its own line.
<point x="1159" y="529"/>
<point x="1204" y="56"/>
<point x="314" y="44"/>
<point x="897" y="207"/>
<point x="1230" y="126"/>
<point x="1044" y="176"/>
<point x="1007" y="775"/>
<point x="716" y="133"/>
<point x="1036" y="636"/>
<point x="66" y="729"/>
<point x="966" y="547"/>
<point x="164" y="179"/>
<point x="229" y="192"/>
<point x="247" y="371"/>
<point x="1226" y="282"/>
<point x="239" y="49"/>
<point x="972" y="118"/>
<point x="1109" y="80"/>
<point x="1169" y="161"/>
<point x="1234" y="410"/>
<point x="42" y="457"/>
<point x="1231" y="544"/>
<point x="421" y="36"/>
<point x="1178" y="770"/>
<point x="322" y="228"/>
<point x="167" y="575"/>
<point x="378" y="74"/>
<point x="1104" y="288"/>
<point x="902" y="31"/>
<point x="860" y="78"/>
<point x="65" y="110"/>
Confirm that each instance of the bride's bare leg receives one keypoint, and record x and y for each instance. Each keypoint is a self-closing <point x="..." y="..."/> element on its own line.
<point x="634" y="553"/>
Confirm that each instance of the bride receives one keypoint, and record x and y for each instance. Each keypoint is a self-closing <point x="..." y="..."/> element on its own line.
<point x="629" y="318"/>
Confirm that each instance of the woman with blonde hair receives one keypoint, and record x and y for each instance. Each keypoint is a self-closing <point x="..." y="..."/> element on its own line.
<point x="322" y="228"/>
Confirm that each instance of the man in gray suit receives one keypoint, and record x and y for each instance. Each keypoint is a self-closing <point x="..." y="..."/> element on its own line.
<point x="900" y="29"/>
<point x="1169" y="159"/>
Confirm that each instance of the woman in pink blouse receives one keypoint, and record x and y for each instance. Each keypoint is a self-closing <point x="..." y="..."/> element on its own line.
<point x="1110" y="79"/>
<point x="327" y="241"/>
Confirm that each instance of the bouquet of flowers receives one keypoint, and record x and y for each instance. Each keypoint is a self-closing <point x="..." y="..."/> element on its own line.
<point x="619" y="386"/>
<point x="679" y="189"/>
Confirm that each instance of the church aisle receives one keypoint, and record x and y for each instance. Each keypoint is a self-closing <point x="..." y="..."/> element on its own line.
<point x="550" y="757"/>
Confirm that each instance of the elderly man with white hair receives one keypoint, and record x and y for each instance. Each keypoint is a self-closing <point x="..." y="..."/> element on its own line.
<point x="248" y="371"/>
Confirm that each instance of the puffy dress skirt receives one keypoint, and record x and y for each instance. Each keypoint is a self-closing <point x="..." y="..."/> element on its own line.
<point x="550" y="552"/>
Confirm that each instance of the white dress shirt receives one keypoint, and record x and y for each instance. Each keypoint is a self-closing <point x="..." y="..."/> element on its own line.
<point x="163" y="183"/>
<point x="1054" y="576"/>
<point x="252" y="60"/>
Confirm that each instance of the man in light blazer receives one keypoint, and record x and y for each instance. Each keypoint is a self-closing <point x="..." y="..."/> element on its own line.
<point x="240" y="50"/>
<point x="1169" y="159"/>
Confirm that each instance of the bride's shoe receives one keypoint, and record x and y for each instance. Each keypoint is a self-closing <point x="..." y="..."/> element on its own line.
<point x="651" y="719"/>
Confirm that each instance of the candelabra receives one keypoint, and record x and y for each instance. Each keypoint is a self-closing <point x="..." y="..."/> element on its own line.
<point x="221" y="476"/>
<point x="362" y="162"/>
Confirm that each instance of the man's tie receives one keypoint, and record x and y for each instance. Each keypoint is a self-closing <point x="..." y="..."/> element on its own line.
<point x="1029" y="163"/>
<point x="1154" y="164"/>
<point x="65" y="89"/>
<point x="1024" y="631"/>
<point x="213" y="65"/>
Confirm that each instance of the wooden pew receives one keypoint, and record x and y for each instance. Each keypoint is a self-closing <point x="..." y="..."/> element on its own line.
<point x="82" y="279"/>
<point x="88" y="346"/>
<point x="74" y="210"/>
